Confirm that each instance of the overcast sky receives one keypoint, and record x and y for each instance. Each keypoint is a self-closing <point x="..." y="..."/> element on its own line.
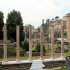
<point x="33" y="11"/>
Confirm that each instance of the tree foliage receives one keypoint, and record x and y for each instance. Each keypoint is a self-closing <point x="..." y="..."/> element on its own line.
<point x="14" y="18"/>
<point x="37" y="49"/>
<point x="1" y="24"/>
<point x="56" y="17"/>
<point x="57" y="34"/>
<point x="25" y="45"/>
<point x="45" y="26"/>
<point x="38" y="28"/>
<point x="52" y="18"/>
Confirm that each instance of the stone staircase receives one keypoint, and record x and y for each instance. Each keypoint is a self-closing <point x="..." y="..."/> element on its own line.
<point x="36" y="65"/>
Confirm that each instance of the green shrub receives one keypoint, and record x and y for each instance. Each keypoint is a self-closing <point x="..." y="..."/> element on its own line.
<point x="13" y="52"/>
<point x="37" y="49"/>
<point x="25" y="45"/>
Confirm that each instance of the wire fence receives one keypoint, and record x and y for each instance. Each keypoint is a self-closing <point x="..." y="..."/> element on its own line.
<point x="67" y="62"/>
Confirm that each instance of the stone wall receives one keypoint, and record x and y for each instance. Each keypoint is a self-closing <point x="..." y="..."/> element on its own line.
<point x="23" y="66"/>
<point x="53" y="64"/>
<point x="27" y="66"/>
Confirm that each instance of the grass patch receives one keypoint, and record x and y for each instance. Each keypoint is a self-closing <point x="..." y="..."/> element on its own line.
<point x="33" y="48"/>
<point x="20" y="56"/>
<point x="1" y="57"/>
<point x="15" y="56"/>
<point x="24" y="56"/>
<point x="46" y="48"/>
<point x="61" y="69"/>
<point x="67" y="53"/>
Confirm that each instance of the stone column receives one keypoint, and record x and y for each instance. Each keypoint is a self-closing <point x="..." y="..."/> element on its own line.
<point x="62" y="42"/>
<point x="5" y="43"/>
<point x="49" y="32"/>
<point x="25" y="33"/>
<point x="30" y="43"/>
<point x="41" y="42"/>
<point x="36" y="39"/>
<point x="68" y="25"/>
<point x="52" y="42"/>
<point x="18" y="43"/>
<point x="25" y="36"/>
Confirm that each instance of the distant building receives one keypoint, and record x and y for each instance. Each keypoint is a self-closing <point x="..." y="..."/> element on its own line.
<point x="64" y="17"/>
<point x="26" y="30"/>
<point x="57" y="25"/>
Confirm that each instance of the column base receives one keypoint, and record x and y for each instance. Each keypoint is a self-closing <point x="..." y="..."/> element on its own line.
<point x="41" y="58"/>
<point x="5" y="60"/>
<point x="30" y="59"/>
<point x="62" y="57"/>
<point x="17" y="60"/>
<point x="52" y="58"/>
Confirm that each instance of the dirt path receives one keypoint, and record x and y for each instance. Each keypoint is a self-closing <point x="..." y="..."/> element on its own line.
<point x="48" y="56"/>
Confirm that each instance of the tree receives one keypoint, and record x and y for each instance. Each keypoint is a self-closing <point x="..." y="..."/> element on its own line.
<point x="56" y="17"/>
<point x="57" y="34"/>
<point x="38" y="28"/>
<point x="37" y="48"/>
<point x="14" y="18"/>
<point x="52" y="18"/>
<point x="1" y="24"/>
<point x="48" y="19"/>
<point x="25" y="45"/>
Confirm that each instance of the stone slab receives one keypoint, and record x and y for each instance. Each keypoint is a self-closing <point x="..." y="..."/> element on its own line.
<point x="27" y="61"/>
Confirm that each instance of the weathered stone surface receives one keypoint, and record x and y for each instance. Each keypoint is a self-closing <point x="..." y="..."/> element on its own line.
<point x="18" y="42"/>
<point x="30" y="42"/>
<point x="23" y="66"/>
<point x="52" y="42"/>
<point x="62" y="41"/>
<point x="41" y="42"/>
<point x="54" y="64"/>
<point x="58" y="49"/>
<point x="5" y="43"/>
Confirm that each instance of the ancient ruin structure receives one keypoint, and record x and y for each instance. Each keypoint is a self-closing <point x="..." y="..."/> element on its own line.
<point x="68" y="25"/>
<point x="41" y="42"/>
<point x="52" y="42"/>
<point x="18" y="42"/>
<point x="30" y="42"/>
<point x="62" y="42"/>
<point x="32" y="64"/>
<point x="5" y="43"/>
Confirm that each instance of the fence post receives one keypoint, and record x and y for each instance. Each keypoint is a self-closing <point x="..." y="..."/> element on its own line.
<point x="66" y="62"/>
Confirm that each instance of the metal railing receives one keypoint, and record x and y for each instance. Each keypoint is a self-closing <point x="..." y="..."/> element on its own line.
<point x="67" y="62"/>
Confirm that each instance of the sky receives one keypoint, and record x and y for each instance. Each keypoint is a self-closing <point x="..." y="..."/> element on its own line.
<point x="33" y="11"/>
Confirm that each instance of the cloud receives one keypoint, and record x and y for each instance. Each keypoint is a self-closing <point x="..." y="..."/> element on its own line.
<point x="33" y="11"/>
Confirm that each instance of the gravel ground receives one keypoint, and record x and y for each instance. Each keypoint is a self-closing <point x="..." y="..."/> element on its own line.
<point x="47" y="56"/>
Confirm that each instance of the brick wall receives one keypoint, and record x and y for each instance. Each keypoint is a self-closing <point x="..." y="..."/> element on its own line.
<point x="23" y="66"/>
<point x="53" y="64"/>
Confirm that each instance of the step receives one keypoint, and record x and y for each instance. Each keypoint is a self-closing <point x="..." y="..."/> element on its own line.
<point x="37" y="65"/>
<point x="35" y="69"/>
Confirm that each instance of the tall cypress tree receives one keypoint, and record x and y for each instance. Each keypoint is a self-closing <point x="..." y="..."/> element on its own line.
<point x="1" y="25"/>
<point x="14" y="18"/>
